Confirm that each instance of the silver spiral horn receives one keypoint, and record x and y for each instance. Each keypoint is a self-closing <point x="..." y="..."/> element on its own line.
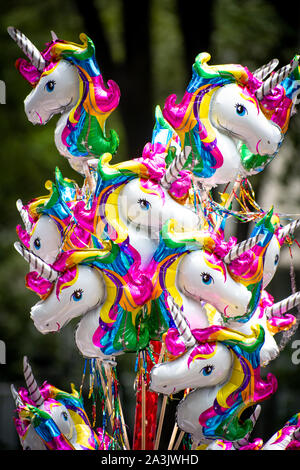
<point x="283" y="306"/>
<point x="266" y="69"/>
<point x="45" y="270"/>
<point x="31" y="384"/>
<point x="181" y="323"/>
<point x="28" y="48"/>
<point x="289" y="229"/>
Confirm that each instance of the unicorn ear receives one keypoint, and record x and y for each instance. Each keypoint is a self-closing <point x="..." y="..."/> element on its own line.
<point x="28" y="48"/>
<point x="24" y="216"/>
<point x="16" y="396"/>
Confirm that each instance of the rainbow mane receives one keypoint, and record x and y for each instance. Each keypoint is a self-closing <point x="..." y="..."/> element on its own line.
<point x="44" y="425"/>
<point x="84" y="133"/>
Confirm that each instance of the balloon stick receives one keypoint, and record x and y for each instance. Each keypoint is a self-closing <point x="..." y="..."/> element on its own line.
<point x="123" y="424"/>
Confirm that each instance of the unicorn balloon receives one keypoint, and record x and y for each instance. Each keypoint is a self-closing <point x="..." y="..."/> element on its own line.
<point x="222" y="368"/>
<point x="233" y="119"/>
<point x="50" y="419"/>
<point x="200" y="267"/>
<point x="67" y="81"/>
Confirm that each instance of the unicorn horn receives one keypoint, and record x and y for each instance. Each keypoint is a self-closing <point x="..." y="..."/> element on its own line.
<point x="289" y="229"/>
<point x="240" y="248"/>
<point x="24" y="215"/>
<point x="28" y="48"/>
<point x="283" y="306"/>
<point x="31" y="384"/>
<point x="266" y="69"/>
<point x="173" y="170"/>
<point x="44" y="269"/>
<point x="276" y="78"/>
<point x="181" y="323"/>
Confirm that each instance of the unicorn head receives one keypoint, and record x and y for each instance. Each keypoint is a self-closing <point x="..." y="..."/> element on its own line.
<point x="223" y="117"/>
<point x="67" y="81"/>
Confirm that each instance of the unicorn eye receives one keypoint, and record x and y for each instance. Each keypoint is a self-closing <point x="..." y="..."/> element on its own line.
<point x="65" y="415"/>
<point x="144" y="204"/>
<point x="240" y="109"/>
<point x="207" y="370"/>
<point x="276" y="260"/>
<point x="206" y="278"/>
<point x="50" y="86"/>
<point x="77" y="295"/>
<point x="37" y="243"/>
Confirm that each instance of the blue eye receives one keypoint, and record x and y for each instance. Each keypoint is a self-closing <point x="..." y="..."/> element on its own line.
<point x="77" y="295"/>
<point x="50" y="86"/>
<point x="207" y="370"/>
<point x="144" y="204"/>
<point x="65" y="416"/>
<point x="37" y="243"/>
<point x="276" y="259"/>
<point x="240" y="109"/>
<point x="206" y="278"/>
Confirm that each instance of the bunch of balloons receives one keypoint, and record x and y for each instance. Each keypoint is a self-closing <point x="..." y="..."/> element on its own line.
<point x="140" y="251"/>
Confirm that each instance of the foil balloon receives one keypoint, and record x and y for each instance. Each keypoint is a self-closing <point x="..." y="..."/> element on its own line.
<point x="51" y="419"/>
<point x="222" y="369"/>
<point x="233" y="119"/>
<point x="66" y="78"/>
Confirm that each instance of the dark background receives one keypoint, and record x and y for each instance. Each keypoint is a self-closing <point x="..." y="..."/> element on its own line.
<point x="148" y="47"/>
